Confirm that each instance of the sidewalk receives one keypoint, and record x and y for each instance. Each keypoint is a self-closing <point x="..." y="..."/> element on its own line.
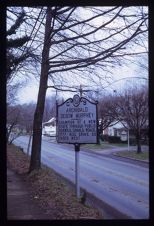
<point x="20" y="205"/>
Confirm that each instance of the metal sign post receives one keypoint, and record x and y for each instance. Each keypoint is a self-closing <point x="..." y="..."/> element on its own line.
<point x="77" y="123"/>
<point x="77" y="170"/>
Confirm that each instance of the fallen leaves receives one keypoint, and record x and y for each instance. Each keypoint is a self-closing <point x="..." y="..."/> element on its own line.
<point x="17" y="159"/>
<point x="50" y="190"/>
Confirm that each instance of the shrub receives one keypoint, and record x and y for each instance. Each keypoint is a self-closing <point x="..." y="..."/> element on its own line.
<point x="132" y="141"/>
<point x="114" y="139"/>
<point x="124" y="142"/>
<point x="104" y="137"/>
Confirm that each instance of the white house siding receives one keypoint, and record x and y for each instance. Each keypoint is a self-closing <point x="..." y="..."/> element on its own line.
<point x="49" y="128"/>
<point x="115" y="129"/>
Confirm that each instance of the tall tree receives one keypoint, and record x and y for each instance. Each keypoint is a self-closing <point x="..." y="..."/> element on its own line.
<point x="20" y="116"/>
<point x="132" y="108"/>
<point x="16" y="43"/>
<point x="13" y="119"/>
<point x="107" y="112"/>
<point x="35" y="162"/>
<point x="18" y="52"/>
<point x="15" y="57"/>
<point x="101" y="38"/>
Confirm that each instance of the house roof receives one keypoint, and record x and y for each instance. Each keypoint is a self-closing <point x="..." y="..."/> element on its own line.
<point x="50" y="120"/>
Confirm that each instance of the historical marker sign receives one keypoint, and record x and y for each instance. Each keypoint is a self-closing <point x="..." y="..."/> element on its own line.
<point x="77" y="121"/>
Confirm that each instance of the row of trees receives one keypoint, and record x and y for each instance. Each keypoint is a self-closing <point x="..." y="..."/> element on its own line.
<point x="77" y="43"/>
<point x="19" y="54"/>
<point x="129" y="107"/>
<point x="20" y="117"/>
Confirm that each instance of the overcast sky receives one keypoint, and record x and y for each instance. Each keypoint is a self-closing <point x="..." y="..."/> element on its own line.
<point x="121" y="77"/>
<point x="114" y="80"/>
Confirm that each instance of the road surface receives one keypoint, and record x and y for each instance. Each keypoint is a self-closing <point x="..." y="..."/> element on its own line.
<point x="122" y="185"/>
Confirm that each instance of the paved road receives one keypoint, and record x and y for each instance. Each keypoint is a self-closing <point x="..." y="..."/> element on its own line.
<point x="122" y="185"/>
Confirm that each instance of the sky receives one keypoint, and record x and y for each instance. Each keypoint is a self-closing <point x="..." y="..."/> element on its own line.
<point x="29" y="91"/>
<point x="122" y="77"/>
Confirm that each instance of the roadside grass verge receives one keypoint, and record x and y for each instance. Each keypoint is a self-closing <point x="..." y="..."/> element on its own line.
<point x="103" y="145"/>
<point x="119" y="144"/>
<point x="134" y="155"/>
<point x="95" y="146"/>
<point x="50" y="190"/>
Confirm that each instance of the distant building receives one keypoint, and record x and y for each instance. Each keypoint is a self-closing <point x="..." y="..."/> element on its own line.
<point x="49" y="127"/>
<point x="119" y="130"/>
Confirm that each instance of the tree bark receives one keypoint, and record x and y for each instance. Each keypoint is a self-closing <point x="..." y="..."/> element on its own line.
<point x="35" y="162"/>
<point x="138" y="140"/>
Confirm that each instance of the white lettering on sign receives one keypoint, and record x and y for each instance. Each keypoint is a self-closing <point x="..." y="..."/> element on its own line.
<point x="77" y="122"/>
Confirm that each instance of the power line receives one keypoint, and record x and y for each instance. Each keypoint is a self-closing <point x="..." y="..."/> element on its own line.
<point x="33" y="29"/>
<point x="38" y="26"/>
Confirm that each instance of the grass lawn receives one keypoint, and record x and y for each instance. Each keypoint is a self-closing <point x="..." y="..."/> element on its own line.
<point x="97" y="146"/>
<point x="103" y="145"/>
<point x="134" y="154"/>
<point x="119" y="144"/>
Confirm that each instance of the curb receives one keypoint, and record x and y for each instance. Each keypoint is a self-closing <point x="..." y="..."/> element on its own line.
<point x="121" y="158"/>
<point x="139" y="160"/>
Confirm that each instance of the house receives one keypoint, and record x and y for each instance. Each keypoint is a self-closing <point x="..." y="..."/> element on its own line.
<point x="49" y="127"/>
<point x="117" y="130"/>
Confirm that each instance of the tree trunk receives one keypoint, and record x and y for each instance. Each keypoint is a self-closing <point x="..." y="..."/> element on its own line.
<point x="138" y="141"/>
<point x="35" y="162"/>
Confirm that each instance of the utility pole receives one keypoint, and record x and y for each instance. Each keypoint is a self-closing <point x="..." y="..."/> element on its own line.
<point x="128" y="139"/>
<point x="80" y="90"/>
<point x="30" y="137"/>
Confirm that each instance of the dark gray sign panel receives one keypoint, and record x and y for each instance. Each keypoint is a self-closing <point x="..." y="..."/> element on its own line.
<point x="77" y="121"/>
